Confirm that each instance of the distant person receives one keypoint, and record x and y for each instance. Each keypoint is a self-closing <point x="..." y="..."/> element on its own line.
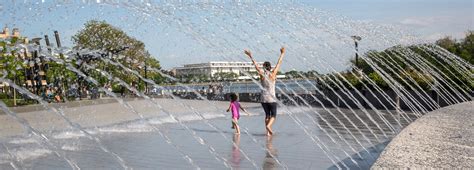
<point x="234" y="107"/>
<point x="122" y="91"/>
<point x="268" y="79"/>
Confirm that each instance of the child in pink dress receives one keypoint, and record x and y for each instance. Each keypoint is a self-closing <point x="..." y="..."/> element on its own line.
<point x="234" y="107"/>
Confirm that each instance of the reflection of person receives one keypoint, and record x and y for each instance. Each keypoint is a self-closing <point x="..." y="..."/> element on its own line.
<point x="268" y="79"/>
<point x="269" y="162"/>
<point x="235" y="152"/>
<point x="234" y="107"/>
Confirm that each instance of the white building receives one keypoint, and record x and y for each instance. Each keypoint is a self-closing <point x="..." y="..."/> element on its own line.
<point x="210" y="69"/>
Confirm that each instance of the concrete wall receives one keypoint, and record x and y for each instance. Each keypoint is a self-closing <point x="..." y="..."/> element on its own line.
<point x="418" y="100"/>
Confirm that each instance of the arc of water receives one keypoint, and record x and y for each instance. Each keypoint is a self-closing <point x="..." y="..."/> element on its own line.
<point x="433" y="86"/>
<point x="315" y="139"/>
<point x="455" y="66"/>
<point x="455" y="58"/>
<point x="390" y="67"/>
<point x="347" y="92"/>
<point x="60" y="113"/>
<point x="388" y="111"/>
<point x="355" y="114"/>
<point x="448" y="78"/>
<point x="42" y="137"/>
<point x="354" y="97"/>
<point x="349" y="132"/>
<point x="386" y="97"/>
<point x="398" y="88"/>
<point x="325" y="24"/>
<point x="419" y="72"/>
<point x="362" y="95"/>
<point x="330" y="126"/>
<point x="433" y="71"/>
<point x="447" y="98"/>
<point x="456" y="70"/>
<point x="376" y="86"/>
<point x="465" y="67"/>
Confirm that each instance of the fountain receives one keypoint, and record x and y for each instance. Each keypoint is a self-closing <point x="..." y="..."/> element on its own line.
<point x="342" y="117"/>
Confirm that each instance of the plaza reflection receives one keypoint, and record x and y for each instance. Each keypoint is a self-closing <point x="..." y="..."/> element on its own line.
<point x="269" y="161"/>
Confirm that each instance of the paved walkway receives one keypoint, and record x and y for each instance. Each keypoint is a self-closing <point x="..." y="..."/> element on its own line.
<point x="441" y="139"/>
<point x="92" y="113"/>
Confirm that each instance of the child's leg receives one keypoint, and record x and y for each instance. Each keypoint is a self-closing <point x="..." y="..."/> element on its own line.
<point x="237" y="128"/>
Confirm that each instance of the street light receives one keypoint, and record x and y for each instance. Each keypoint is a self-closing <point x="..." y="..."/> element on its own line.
<point x="356" y="43"/>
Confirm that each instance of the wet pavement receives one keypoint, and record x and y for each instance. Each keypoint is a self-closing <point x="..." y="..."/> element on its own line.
<point x="303" y="140"/>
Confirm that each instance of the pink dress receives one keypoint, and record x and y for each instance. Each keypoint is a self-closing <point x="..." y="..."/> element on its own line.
<point x="235" y="106"/>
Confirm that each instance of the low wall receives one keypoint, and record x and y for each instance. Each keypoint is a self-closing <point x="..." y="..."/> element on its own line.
<point x="345" y="100"/>
<point x="441" y="139"/>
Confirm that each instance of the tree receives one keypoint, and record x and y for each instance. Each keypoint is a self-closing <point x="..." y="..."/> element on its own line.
<point x="447" y="43"/>
<point x="467" y="51"/>
<point x="226" y="76"/>
<point x="12" y="65"/>
<point x="463" y="49"/>
<point x="293" y="74"/>
<point x="120" y="47"/>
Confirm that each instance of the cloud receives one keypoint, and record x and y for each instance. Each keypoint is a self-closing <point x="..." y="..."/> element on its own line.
<point x="439" y="35"/>
<point x="434" y="36"/>
<point x="422" y="21"/>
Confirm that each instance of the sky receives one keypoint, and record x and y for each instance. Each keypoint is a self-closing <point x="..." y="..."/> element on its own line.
<point x="427" y="19"/>
<point x="431" y="19"/>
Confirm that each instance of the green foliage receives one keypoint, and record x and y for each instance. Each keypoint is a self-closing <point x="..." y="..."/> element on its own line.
<point x="398" y="63"/>
<point x="99" y="35"/>
<point x="374" y="76"/>
<point x="463" y="48"/>
<point x="225" y="76"/>
<point x="198" y="78"/>
<point x="293" y="74"/>
<point x="312" y="74"/>
<point x="10" y="63"/>
<point x="352" y="79"/>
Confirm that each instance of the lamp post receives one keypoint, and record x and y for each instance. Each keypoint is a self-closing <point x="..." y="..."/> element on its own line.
<point x="356" y="44"/>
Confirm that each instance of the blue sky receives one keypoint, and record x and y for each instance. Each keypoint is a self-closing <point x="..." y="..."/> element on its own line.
<point x="431" y="19"/>
<point x="428" y="19"/>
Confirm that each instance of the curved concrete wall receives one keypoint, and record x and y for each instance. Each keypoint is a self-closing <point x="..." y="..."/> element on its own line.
<point x="441" y="139"/>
